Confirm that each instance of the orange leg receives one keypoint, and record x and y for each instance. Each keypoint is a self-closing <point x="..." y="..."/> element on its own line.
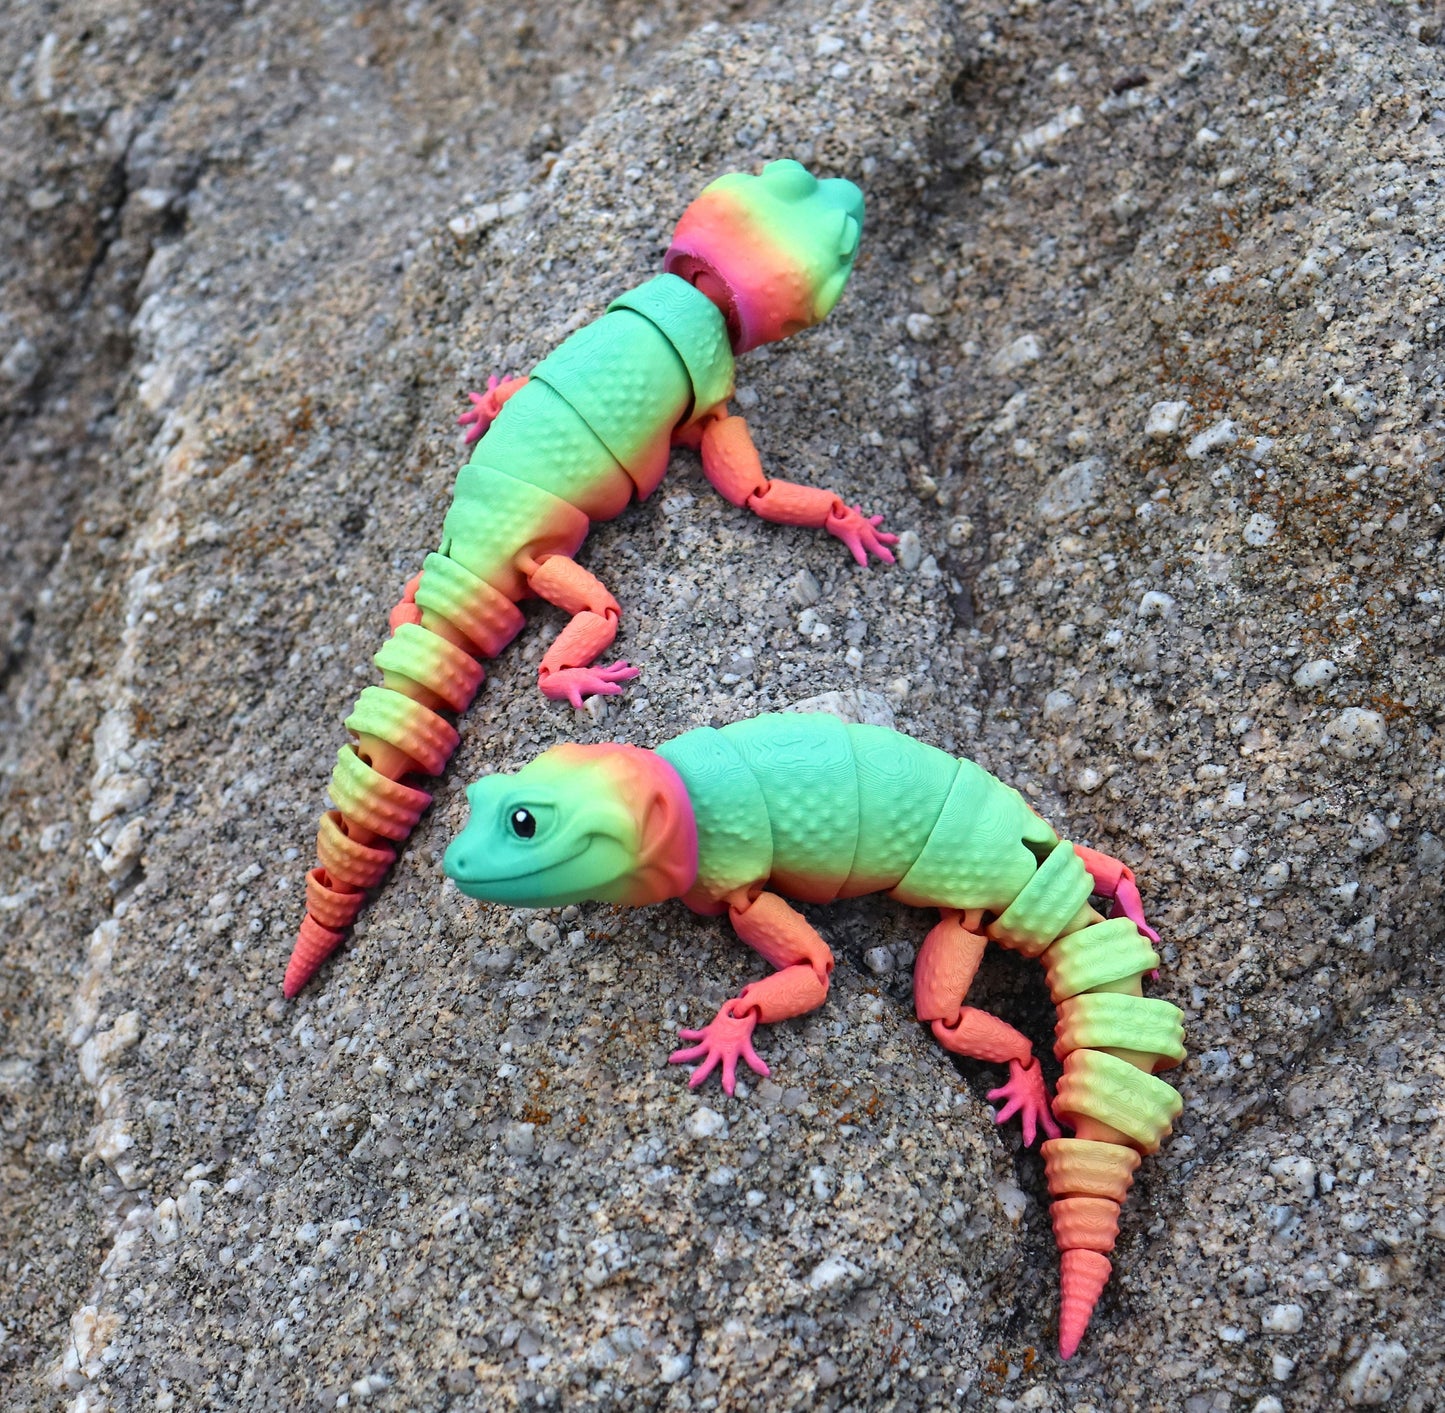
<point x="947" y="963"/>
<point x="566" y="673"/>
<point x="782" y="936"/>
<point x="1113" y="879"/>
<point x="731" y="463"/>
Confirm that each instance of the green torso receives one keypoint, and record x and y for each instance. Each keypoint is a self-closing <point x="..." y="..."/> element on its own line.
<point x="825" y="810"/>
<point x="592" y="427"/>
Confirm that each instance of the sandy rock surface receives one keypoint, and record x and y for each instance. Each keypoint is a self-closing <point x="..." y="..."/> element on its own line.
<point x="1144" y="354"/>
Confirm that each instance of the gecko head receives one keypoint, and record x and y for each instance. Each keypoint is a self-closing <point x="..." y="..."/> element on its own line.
<point x="773" y="251"/>
<point x="608" y="823"/>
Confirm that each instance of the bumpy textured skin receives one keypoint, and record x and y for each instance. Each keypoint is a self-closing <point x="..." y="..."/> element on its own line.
<point x="811" y="808"/>
<point x="590" y="430"/>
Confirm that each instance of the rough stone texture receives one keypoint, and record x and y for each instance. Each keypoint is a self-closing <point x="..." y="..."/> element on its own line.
<point x="252" y="255"/>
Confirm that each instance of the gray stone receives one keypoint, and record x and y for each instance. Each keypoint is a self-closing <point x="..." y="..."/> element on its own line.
<point x="458" y="1170"/>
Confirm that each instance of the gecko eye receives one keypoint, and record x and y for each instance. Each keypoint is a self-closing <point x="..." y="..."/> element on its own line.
<point x="524" y="826"/>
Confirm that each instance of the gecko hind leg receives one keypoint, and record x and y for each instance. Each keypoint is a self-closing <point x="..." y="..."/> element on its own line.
<point x="1115" y="880"/>
<point x="567" y="673"/>
<point x="947" y="963"/>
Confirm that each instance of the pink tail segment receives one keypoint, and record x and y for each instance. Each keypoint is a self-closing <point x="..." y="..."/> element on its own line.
<point x="446" y="621"/>
<point x="1083" y="1278"/>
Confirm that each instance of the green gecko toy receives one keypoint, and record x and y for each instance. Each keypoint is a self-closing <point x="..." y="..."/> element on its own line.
<point x="819" y="811"/>
<point x="754" y="259"/>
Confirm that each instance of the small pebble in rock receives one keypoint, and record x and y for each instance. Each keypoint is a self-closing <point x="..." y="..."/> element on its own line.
<point x="1370" y="1380"/>
<point x="858" y="707"/>
<point x="21" y="363"/>
<point x="1013" y="1200"/>
<point x="1295" y="1174"/>
<point x="804" y="589"/>
<point x="1356" y="732"/>
<point x="1060" y="706"/>
<point x="1319" y="673"/>
<point x="543" y="934"/>
<point x="909" y="550"/>
<point x="1220" y="435"/>
<point x="835" y="1271"/>
<point x="1075" y="488"/>
<point x="1165" y="419"/>
<point x="1088" y="780"/>
<point x="878" y="960"/>
<point x="519" y="1139"/>
<point x="1260" y="528"/>
<point x="1156" y="605"/>
<point x="1283" y="1319"/>
<point x="1019" y="354"/>
<point x="706" y="1123"/>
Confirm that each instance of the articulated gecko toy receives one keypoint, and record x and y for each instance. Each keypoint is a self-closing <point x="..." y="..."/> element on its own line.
<point x="753" y="260"/>
<point x="820" y="811"/>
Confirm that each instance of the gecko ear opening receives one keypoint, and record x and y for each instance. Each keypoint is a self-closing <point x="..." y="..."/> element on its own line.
<point x="667" y="856"/>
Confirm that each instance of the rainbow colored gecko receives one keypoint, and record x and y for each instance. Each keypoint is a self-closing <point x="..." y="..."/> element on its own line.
<point x="820" y="811"/>
<point x="753" y="260"/>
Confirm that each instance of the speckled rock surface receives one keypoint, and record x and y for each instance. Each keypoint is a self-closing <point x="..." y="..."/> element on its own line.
<point x="1144" y="351"/>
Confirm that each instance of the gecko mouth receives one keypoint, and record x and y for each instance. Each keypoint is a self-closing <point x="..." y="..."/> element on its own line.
<point x="457" y="871"/>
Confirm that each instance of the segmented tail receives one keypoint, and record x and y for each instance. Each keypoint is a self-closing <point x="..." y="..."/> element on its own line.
<point x="446" y="621"/>
<point x="1111" y="1040"/>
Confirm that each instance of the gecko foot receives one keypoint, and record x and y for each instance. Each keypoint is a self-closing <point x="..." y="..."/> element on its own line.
<point x="571" y="684"/>
<point x="860" y="533"/>
<point x="485" y="406"/>
<point x="725" y="1039"/>
<point x="1027" y="1096"/>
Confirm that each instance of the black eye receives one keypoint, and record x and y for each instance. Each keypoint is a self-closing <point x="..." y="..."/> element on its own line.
<point x="523" y="825"/>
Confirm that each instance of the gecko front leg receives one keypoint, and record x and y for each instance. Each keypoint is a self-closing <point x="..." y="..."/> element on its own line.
<point x="566" y="673"/>
<point x="942" y="975"/>
<point x="731" y="463"/>
<point x="805" y="965"/>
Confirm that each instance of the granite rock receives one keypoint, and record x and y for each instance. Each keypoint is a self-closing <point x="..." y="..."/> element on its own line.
<point x="253" y="255"/>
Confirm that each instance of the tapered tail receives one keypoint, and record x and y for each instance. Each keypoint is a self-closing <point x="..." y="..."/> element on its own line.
<point x="447" y="621"/>
<point x="1111" y="1040"/>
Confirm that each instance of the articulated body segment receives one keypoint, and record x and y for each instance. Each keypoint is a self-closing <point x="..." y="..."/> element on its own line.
<point x="817" y="810"/>
<point x="590" y="430"/>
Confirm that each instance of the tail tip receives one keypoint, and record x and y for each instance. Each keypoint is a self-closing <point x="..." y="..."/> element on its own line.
<point x="314" y="943"/>
<point x="298" y="973"/>
<point x="1083" y="1277"/>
